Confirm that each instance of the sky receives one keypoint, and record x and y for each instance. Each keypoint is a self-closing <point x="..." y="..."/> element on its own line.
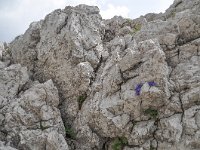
<point x="16" y="15"/>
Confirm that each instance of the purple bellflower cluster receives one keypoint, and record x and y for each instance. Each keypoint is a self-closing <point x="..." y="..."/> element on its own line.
<point x="139" y="86"/>
<point x="152" y="83"/>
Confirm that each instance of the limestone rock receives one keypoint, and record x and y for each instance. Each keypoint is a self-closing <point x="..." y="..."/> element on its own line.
<point x="3" y="146"/>
<point x="29" y="116"/>
<point x="56" y="47"/>
<point x="137" y="81"/>
<point x="1" y="50"/>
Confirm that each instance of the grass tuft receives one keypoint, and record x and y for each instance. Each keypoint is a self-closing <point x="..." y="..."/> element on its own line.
<point x="81" y="99"/>
<point x="119" y="143"/>
<point x="70" y="133"/>
<point x="153" y="113"/>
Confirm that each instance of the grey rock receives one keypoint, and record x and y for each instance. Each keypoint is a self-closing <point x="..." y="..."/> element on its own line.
<point x="3" y="146"/>
<point x="1" y="50"/>
<point x="133" y="80"/>
<point x="28" y="114"/>
<point x="56" y="47"/>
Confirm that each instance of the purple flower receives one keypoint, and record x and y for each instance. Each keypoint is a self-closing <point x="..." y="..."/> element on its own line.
<point x="152" y="83"/>
<point x="138" y="89"/>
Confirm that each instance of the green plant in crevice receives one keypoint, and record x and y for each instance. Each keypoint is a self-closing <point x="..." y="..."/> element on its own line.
<point x="81" y="99"/>
<point x="197" y="102"/>
<point x="153" y="113"/>
<point x="137" y="28"/>
<point x="119" y="143"/>
<point x="172" y="15"/>
<point x="152" y="148"/>
<point x="134" y="123"/>
<point x="70" y="133"/>
<point x="8" y="51"/>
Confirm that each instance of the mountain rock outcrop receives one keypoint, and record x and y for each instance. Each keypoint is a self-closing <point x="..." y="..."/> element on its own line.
<point x="75" y="81"/>
<point x="29" y="116"/>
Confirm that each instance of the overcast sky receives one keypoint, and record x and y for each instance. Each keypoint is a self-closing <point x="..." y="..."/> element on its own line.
<point x="16" y="15"/>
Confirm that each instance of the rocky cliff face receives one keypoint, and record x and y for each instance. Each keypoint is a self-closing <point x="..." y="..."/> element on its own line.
<point x="74" y="81"/>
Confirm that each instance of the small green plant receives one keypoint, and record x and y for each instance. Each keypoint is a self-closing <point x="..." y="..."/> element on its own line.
<point x="172" y="15"/>
<point x="8" y="51"/>
<point x="119" y="143"/>
<point x="151" y="112"/>
<point x="81" y="99"/>
<point x="70" y="133"/>
<point x="134" y="123"/>
<point x="124" y="140"/>
<point x="197" y="102"/>
<point x="137" y="28"/>
<point x="152" y="148"/>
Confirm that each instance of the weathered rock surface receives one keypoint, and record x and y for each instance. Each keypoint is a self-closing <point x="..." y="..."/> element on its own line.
<point x="29" y="117"/>
<point x="5" y="147"/>
<point x="122" y="83"/>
